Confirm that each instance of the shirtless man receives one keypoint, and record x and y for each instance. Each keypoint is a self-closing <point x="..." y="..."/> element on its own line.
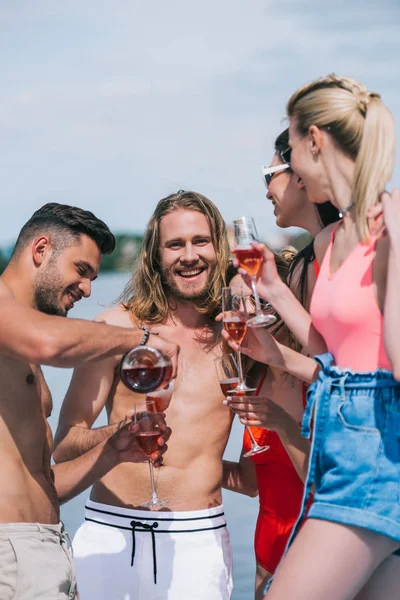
<point x="56" y="257"/>
<point x="122" y="550"/>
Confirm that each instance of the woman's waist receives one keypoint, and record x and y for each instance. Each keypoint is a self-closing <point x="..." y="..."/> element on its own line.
<point x="341" y="372"/>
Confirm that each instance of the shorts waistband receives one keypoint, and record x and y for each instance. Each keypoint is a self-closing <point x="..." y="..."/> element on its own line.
<point x="173" y="522"/>
<point x="31" y="528"/>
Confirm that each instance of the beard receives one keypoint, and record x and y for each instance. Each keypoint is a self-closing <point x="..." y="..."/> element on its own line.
<point x="186" y="292"/>
<point x="48" y="292"/>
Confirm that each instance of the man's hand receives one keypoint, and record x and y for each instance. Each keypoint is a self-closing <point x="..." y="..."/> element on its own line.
<point x="168" y="348"/>
<point x="261" y="412"/>
<point x="124" y="443"/>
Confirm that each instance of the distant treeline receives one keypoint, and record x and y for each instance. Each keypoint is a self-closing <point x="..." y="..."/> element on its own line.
<point x="127" y="248"/>
<point x="121" y="259"/>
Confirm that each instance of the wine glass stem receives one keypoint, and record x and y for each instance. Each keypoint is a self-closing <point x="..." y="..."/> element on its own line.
<point x="240" y="367"/>
<point x="255" y="294"/>
<point x="153" y="485"/>
<point x="253" y="441"/>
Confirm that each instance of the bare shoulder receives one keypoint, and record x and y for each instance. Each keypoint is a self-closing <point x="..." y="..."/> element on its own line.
<point x="321" y="242"/>
<point x="117" y="315"/>
<point x="5" y="292"/>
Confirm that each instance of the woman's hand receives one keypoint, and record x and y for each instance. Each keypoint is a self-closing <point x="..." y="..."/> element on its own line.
<point x="384" y="217"/>
<point x="269" y="283"/>
<point x="257" y="411"/>
<point x="391" y="214"/>
<point x="258" y="344"/>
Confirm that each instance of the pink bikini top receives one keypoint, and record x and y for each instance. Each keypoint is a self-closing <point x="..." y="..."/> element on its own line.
<point x="345" y="312"/>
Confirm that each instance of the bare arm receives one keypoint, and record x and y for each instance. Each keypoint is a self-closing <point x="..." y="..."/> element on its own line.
<point x="262" y="412"/>
<point x="73" y="477"/>
<point x="29" y="335"/>
<point x="261" y="346"/>
<point x="86" y="396"/>
<point x="240" y="476"/>
<point x="391" y="211"/>
<point x="274" y="290"/>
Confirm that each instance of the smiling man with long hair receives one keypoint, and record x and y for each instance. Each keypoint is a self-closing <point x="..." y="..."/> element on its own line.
<point x="123" y="550"/>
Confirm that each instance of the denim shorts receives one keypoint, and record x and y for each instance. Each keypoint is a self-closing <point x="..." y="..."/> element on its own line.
<point x="355" y="452"/>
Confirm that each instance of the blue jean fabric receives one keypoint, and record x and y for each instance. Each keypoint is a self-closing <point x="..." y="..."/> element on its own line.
<point x="355" y="451"/>
<point x="355" y="457"/>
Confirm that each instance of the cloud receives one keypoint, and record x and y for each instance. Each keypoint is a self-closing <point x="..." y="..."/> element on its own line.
<point x="114" y="105"/>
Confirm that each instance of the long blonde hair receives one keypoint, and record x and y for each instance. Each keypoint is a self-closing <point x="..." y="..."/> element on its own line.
<point x="361" y="126"/>
<point x="144" y="295"/>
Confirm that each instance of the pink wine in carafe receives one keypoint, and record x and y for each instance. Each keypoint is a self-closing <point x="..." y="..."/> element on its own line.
<point x="144" y="369"/>
<point x="249" y="259"/>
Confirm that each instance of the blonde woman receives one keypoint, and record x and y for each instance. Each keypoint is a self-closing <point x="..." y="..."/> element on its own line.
<point x="342" y="139"/>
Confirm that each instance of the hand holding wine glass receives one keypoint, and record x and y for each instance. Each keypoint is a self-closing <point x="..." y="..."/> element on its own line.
<point x="259" y="345"/>
<point x="229" y="378"/>
<point x="148" y="433"/>
<point x="256" y="411"/>
<point x="254" y="260"/>
<point x="125" y="444"/>
<point x="235" y="319"/>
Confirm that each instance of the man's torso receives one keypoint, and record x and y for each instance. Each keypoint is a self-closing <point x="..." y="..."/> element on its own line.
<point x="190" y="477"/>
<point x="27" y="493"/>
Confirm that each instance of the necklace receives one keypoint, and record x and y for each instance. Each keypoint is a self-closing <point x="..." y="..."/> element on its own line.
<point x="344" y="210"/>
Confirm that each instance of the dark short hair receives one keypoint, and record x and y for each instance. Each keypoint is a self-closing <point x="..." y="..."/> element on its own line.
<point x="65" y="224"/>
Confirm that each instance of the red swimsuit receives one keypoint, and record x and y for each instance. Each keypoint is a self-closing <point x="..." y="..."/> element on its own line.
<point x="280" y="492"/>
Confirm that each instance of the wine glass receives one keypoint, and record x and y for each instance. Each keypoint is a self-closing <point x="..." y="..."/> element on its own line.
<point x="235" y="320"/>
<point x="145" y="415"/>
<point x="162" y="397"/>
<point x="145" y="369"/>
<point x="228" y="376"/>
<point x="250" y="260"/>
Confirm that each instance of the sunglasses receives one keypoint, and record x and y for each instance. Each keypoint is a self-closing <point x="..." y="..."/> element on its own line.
<point x="269" y="172"/>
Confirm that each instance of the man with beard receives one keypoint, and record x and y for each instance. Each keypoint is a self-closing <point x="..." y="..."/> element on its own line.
<point x="56" y="257"/>
<point x="123" y="550"/>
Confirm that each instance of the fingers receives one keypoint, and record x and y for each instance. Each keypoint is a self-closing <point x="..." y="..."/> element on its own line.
<point x="133" y="428"/>
<point x="265" y="252"/>
<point x="163" y="439"/>
<point x="251" y="423"/>
<point x="375" y="211"/>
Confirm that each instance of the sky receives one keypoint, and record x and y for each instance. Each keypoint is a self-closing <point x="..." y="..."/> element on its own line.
<point x="112" y="105"/>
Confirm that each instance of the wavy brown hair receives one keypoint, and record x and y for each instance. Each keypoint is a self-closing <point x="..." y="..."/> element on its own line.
<point x="144" y="295"/>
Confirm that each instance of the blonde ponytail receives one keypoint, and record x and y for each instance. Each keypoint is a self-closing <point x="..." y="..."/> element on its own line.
<point x="362" y="128"/>
<point x="374" y="162"/>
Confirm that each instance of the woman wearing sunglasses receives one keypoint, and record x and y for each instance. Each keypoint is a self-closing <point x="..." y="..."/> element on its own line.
<point x="343" y="138"/>
<point x="279" y="471"/>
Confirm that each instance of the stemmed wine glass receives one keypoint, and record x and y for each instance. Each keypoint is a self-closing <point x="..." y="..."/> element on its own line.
<point x="228" y="375"/>
<point x="250" y="260"/>
<point x="145" y="415"/>
<point x="162" y="397"/>
<point x="235" y="319"/>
